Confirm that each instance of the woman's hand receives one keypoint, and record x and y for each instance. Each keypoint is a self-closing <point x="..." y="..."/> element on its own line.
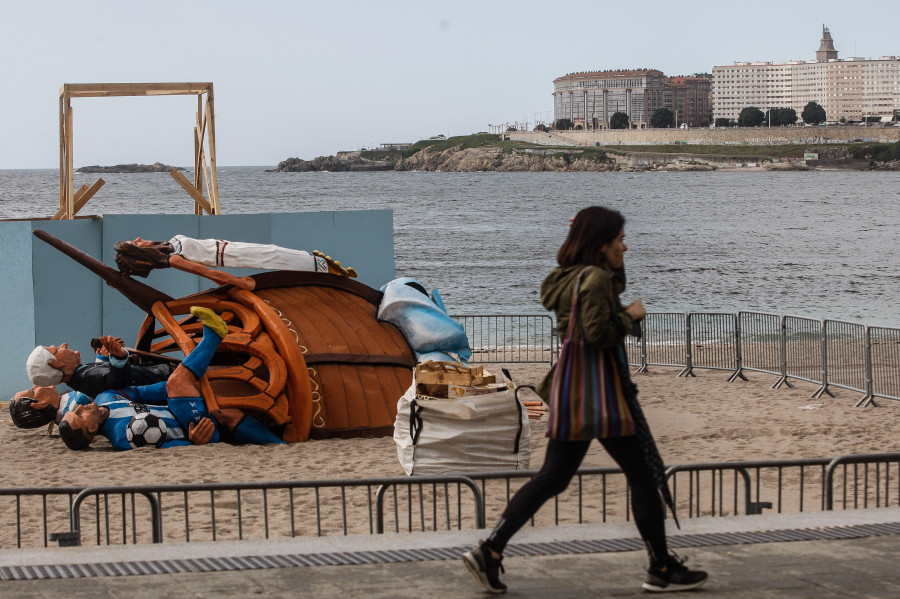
<point x="636" y="310"/>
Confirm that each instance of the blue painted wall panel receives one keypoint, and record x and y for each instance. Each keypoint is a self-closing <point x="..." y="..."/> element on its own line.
<point x="67" y="296"/>
<point x="371" y="255"/>
<point x="16" y="305"/>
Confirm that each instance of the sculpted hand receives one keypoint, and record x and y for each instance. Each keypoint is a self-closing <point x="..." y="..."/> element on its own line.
<point x="636" y="310"/>
<point x="201" y="432"/>
<point x="113" y="346"/>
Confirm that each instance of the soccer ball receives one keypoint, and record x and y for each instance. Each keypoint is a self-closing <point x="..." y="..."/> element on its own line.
<point x="146" y="429"/>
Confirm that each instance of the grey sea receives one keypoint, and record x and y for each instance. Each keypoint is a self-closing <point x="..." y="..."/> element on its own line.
<point x="812" y="244"/>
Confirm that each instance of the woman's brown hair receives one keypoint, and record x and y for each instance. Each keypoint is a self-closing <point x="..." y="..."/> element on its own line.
<point x="134" y="260"/>
<point x="592" y="228"/>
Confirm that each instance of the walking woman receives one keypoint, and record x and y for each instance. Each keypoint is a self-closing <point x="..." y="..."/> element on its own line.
<point x="591" y="268"/>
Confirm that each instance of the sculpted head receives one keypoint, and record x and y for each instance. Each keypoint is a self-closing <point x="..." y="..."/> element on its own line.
<point x="140" y="256"/>
<point x="34" y="407"/>
<point x="50" y="365"/>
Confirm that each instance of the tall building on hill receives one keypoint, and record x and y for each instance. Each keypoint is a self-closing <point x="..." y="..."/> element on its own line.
<point x="849" y="88"/>
<point x="590" y="99"/>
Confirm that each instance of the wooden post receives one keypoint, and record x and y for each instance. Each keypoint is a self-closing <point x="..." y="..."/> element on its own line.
<point x="63" y="172"/>
<point x="70" y="162"/>
<point x="211" y="141"/>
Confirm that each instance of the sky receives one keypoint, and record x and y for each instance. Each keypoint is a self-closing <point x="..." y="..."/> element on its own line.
<point x="296" y="78"/>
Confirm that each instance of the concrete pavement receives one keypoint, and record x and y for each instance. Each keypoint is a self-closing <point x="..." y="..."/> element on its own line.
<point x="818" y="554"/>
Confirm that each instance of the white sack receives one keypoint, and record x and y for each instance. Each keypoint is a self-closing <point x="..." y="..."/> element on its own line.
<point x="468" y="434"/>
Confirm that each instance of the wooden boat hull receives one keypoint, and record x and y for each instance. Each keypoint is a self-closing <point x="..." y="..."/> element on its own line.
<point x="304" y="352"/>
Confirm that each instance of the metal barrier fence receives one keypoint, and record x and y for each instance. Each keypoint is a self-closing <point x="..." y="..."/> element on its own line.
<point x="235" y="511"/>
<point x="759" y="344"/>
<point x="511" y="339"/>
<point x="831" y="353"/>
<point x="883" y="347"/>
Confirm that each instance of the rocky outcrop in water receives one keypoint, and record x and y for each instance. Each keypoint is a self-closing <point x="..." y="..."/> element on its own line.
<point x="156" y="167"/>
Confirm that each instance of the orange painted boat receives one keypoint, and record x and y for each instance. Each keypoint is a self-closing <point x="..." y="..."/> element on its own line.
<point x="304" y="351"/>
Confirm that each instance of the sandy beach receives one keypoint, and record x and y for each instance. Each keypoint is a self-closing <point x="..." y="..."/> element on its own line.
<point x="695" y="419"/>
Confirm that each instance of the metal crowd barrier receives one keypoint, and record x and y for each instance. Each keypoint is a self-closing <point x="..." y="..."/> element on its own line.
<point x="712" y="342"/>
<point x="511" y="339"/>
<point x="884" y="363"/>
<point x="830" y="353"/>
<point x="845" y="358"/>
<point x="759" y="345"/>
<point x="228" y="511"/>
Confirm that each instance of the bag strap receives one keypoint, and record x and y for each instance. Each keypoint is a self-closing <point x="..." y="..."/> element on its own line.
<point x="519" y="409"/>
<point x="574" y="319"/>
<point x="415" y="421"/>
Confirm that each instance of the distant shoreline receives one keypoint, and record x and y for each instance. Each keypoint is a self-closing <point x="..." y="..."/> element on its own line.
<point x="556" y="152"/>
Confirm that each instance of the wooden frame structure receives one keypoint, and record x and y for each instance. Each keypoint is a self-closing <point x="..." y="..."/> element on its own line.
<point x="70" y="201"/>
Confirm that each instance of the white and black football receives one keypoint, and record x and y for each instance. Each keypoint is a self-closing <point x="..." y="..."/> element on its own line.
<point x="146" y="429"/>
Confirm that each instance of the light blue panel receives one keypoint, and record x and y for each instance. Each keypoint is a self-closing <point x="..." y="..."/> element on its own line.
<point x="364" y="239"/>
<point x="16" y="306"/>
<point x="121" y="317"/>
<point x="68" y="304"/>
<point x="305" y="231"/>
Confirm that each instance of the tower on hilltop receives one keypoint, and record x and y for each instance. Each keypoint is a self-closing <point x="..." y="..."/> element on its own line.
<point x="826" y="49"/>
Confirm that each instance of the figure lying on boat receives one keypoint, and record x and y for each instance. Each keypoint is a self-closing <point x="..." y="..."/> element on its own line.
<point x="196" y="256"/>
<point x="305" y="353"/>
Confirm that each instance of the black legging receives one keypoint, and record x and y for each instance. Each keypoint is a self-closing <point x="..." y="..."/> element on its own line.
<point x="560" y="464"/>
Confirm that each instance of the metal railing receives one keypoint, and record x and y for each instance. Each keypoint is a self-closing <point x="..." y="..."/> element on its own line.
<point x="236" y="511"/>
<point x="511" y="339"/>
<point x="830" y="353"/>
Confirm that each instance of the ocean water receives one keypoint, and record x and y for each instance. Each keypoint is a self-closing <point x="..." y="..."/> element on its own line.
<point x="811" y="244"/>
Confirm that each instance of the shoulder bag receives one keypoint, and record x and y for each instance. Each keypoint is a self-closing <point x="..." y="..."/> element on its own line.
<point x="587" y="400"/>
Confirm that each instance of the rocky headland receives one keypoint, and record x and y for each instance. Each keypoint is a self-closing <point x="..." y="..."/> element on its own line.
<point x="480" y="152"/>
<point x="457" y="159"/>
<point x="156" y="167"/>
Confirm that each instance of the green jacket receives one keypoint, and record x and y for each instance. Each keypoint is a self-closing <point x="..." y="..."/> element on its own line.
<point x="599" y="305"/>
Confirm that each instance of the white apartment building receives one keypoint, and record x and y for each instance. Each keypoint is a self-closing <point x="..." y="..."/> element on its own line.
<point x="850" y="88"/>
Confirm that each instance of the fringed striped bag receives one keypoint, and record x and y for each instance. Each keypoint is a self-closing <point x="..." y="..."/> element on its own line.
<point x="587" y="400"/>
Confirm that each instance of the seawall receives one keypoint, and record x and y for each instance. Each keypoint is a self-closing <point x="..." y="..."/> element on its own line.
<point x="754" y="136"/>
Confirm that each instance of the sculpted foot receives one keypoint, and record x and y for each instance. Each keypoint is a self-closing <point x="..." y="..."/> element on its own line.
<point x="334" y="267"/>
<point x="211" y="320"/>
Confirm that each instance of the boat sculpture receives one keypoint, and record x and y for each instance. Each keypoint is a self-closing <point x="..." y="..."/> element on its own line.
<point x="304" y="353"/>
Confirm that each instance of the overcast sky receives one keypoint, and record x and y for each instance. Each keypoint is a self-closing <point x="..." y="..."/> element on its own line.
<point x="304" y="79"/>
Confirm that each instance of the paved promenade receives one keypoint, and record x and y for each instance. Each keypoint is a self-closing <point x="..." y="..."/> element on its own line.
<point x="823" y="555"/>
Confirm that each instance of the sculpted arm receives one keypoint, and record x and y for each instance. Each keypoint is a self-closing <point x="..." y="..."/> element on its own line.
<point x="216" y="276"/>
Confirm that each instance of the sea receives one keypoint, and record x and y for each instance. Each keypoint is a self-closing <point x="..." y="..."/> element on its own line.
<point x="815" y="244"/>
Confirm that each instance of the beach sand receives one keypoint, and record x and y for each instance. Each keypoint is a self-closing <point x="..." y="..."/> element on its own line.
<point x="694" y="419"/>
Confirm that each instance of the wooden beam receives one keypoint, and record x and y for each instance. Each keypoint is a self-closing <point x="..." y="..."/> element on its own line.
<point x="70" y="163"/>
<point x="82" y="196"/>
<point x="62" y="152"/>
<point x="99" y="90"/>
<point x="211" y="137"/>
<point x="186" y="184"/>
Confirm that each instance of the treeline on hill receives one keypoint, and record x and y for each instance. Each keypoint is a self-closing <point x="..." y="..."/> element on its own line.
<point x="876" y="152"/>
